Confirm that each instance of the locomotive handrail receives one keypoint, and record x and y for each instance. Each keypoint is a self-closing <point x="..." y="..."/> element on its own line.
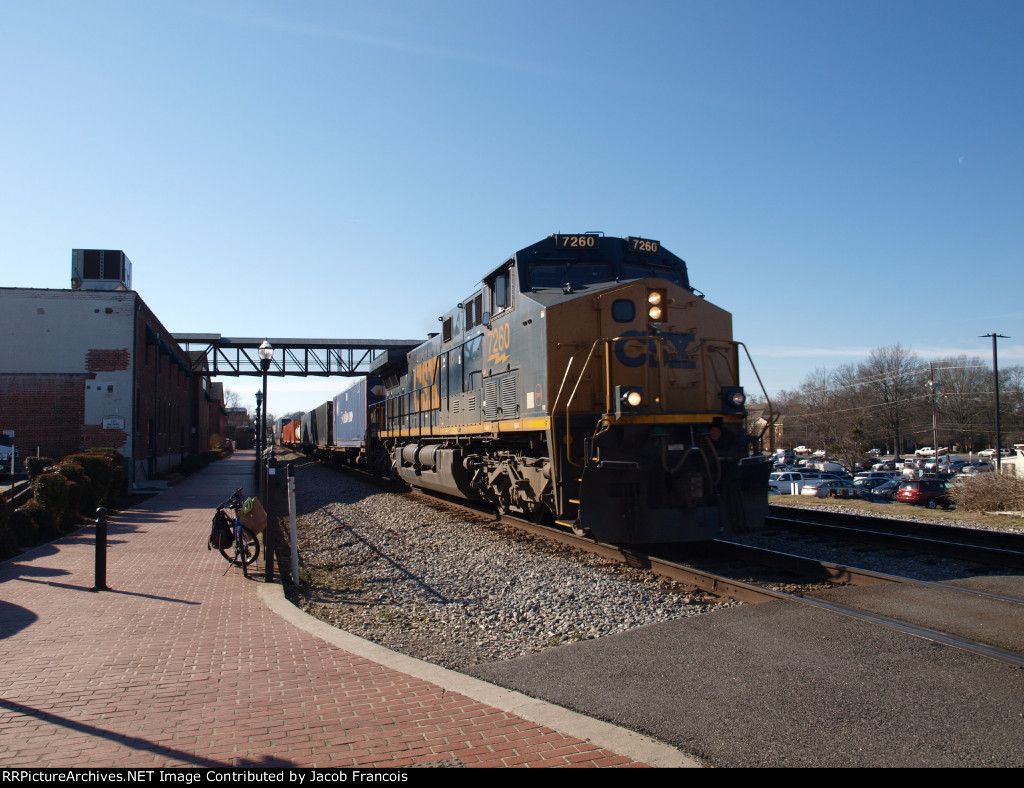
<point x="705" y="351"/>
<point x="608" y="383"/>
<point x="554" y="424"/>
<point x="770" y="421"/>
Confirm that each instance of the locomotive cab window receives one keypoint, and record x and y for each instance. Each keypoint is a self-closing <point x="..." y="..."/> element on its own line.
<point x="623" y="310"/>
<point x="500" y="290"/>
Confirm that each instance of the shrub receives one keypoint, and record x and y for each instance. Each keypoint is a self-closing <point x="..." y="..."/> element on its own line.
<point x="119" y="482"/>
<point x="72" y="471"/>
<point x="51" y="492"/>
<point x="8" y="544"/>
<point x="23" y="528"/>
<point x="100" y="471"/>
<point x="76" y="499"/>
<point x="37" y="465"/>
<point x="44" y="520"/>
<point x="989" y="492"/>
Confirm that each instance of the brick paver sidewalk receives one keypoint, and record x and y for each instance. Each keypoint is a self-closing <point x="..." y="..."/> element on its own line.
<point x="181" y="664"/>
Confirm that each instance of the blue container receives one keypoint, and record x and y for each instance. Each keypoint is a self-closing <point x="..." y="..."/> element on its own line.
<point x="350" y="412"/>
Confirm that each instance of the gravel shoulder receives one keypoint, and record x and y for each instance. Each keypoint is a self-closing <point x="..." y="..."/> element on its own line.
<point x="421" y="580"/>
<point x="434" y="582"/>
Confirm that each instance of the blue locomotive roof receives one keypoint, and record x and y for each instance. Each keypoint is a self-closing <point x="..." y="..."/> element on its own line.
<point x="587" y="259"/>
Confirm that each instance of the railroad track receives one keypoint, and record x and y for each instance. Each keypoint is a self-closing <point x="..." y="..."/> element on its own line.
<point x="1001" y="614"/>
<point x="973" y="619"/>
<point x="997" y="548"/>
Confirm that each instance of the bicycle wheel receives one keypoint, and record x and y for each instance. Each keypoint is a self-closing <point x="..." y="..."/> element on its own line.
<point x="248" y="549"/>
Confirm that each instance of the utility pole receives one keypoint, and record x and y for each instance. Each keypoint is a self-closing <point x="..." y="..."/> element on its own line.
<point x="995" y="372"/>
<point x="935" y="427"/>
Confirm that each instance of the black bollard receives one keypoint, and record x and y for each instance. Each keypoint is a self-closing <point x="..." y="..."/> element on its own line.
<point x="268" y="535"/>
<point x="101" y="550"/>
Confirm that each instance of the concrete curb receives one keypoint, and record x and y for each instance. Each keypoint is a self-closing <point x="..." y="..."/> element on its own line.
<point x="611" y="737"/>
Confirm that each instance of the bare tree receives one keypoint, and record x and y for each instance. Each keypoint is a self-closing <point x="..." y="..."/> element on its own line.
<point x="894" y="378"/>
<point x="960" y="386"/>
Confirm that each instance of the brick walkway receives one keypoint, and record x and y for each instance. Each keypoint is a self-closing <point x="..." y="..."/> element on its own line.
<point x="186" y="663"/>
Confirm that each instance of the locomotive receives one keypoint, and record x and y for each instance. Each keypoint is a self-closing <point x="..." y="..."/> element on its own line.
<point x="584" y="382"/>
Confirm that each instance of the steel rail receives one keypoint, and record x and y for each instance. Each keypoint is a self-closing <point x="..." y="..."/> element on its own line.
<point x="748" y="592"/>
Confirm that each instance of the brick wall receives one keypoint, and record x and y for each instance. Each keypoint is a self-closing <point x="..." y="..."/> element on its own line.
<point x="165" y="411"/>
<point x="108" y="360"/>
<point x="45" y="411"/>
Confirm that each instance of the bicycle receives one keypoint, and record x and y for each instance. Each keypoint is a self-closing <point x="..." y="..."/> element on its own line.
<point x="234" y="541"/>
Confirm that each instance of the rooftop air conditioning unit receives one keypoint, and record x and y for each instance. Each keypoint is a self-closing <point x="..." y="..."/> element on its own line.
<point x="100" y="269"/>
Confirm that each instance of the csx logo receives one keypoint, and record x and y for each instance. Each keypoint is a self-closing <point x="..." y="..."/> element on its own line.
<point x="636" y="353"/>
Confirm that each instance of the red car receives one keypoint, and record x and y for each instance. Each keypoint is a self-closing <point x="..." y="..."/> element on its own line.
<point x="926" y="492"/>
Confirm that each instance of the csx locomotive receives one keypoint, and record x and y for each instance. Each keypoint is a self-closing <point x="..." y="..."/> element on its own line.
<point x="586" y="382"/>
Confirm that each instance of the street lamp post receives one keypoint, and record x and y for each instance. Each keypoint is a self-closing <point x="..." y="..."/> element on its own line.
<point x="995" y="372"/>
<point x="266" y="355"/>
<point x="259" y="411"/>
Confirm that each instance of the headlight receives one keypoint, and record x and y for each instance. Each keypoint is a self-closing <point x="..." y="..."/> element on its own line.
<point x="734" y="399"/>
<point x="628" y="399"/>
<point x="656" y="302"/>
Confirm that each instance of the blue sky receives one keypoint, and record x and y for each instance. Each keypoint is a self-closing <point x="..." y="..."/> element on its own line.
<point x="839" y="176"/>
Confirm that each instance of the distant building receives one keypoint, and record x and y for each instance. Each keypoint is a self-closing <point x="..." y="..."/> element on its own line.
<point x="240" y="428"/>
<point x="93" y="367"/>
<point x="772" y="436"/>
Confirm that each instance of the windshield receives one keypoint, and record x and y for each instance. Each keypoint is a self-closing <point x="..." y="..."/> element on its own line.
<point x="632" y="271"/>
<point x="578" y="274"/>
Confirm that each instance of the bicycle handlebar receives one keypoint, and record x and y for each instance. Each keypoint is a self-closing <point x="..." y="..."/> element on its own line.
<point x="235" y="501"/>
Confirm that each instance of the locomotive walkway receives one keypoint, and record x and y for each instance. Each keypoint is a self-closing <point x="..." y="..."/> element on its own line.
<point x="185" y="663"/>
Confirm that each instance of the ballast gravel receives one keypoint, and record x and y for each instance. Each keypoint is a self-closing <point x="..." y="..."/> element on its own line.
<point x="455" y="589"/>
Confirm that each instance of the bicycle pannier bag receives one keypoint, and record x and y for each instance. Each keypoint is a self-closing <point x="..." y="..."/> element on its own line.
<point x="253" y="515"/>
<point x="221" y="536"/>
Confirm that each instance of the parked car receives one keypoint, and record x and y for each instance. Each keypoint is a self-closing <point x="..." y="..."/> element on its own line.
<point x="782" y="483"/>
<point x="884" y="465"/>
<point x="865" y="485"/>
<point x="926" y="492"/>
<point x="818" y="453"/>
<point x="830" y="488"/>
<point x="875" y="452"/>
<point x="886" y="490"/>
<point x="873" y="474"/>
<point x="802" y="450"/>
<point x="979" y="466"/>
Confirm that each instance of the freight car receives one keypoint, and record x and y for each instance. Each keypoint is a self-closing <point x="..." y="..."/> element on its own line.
<point x="587" y="382"/>
<point x="343" y="429"/>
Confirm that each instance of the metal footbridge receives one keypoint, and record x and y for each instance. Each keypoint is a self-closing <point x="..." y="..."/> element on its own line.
<point x="214" y="354"/>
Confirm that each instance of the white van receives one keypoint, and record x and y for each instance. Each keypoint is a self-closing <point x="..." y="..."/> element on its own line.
<point x="781" y="483"/>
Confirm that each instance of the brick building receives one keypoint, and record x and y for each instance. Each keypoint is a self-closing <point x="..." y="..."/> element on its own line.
<point x="87" y="368"/>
